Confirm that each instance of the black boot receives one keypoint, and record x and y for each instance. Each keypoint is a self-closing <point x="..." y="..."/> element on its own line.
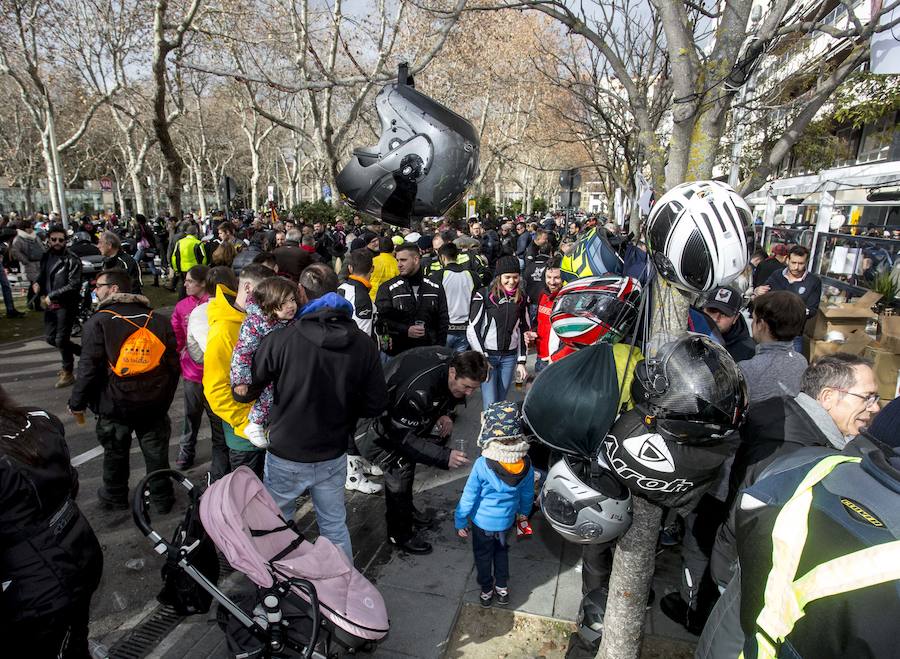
<point x="412" y="545"/>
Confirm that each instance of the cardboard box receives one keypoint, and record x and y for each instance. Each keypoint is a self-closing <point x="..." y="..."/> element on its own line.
<point x="890" y="333"/>
<point x="887" y="365"/>
<point x="845" y="317"/>
<point x="856" y="343"/>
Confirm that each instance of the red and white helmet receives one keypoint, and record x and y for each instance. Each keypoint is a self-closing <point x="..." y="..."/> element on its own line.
<point x="596" y="310"/>
<point x="697" y="235"/>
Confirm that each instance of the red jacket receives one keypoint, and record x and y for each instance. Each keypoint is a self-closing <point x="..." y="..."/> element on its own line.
<point x="547" y="342"/>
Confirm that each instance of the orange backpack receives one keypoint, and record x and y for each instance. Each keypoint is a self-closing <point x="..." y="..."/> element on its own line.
<point x="140" y="353"/>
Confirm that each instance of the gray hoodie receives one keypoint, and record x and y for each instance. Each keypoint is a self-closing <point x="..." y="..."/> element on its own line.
<point x="775" y="370"/>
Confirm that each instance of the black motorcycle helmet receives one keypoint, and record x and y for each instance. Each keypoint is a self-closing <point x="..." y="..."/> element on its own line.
<point x="693" y="391"/>
<point x="426" y="158"/>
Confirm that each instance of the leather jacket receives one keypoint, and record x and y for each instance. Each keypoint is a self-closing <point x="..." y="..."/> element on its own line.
<point x="60" y="277"/>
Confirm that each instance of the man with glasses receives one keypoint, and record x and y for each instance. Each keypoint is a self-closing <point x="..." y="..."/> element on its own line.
<point x="125" y="404"/>
<point x="59" y="288"/>
<point x="838" y="399"/>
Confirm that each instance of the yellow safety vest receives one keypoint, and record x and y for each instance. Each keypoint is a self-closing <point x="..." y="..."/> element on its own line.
<point x="785" y="596"/>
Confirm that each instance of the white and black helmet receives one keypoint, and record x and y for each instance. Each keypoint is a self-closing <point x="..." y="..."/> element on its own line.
<point x="697" y="235"/>
<point x="584" y="501"/>
<point x="426" y="158"/>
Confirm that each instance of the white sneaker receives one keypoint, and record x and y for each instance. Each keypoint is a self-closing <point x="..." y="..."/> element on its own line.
<point x="256" y="434"/>
<point x="356" y="479"/>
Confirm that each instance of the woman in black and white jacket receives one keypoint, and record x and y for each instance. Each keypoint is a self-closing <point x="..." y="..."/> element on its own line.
<point x="498" y="320"/>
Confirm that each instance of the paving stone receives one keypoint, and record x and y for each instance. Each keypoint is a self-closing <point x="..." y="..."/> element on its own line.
<point x="443" y="572"/>
<point x="532" y="586"/>
<point x="423" y="629"/>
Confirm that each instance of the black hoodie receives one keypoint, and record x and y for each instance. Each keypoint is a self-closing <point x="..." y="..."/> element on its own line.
<point x="327" y="374"/>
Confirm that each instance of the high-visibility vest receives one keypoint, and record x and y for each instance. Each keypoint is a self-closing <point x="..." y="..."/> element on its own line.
<point x="785" y="596"/>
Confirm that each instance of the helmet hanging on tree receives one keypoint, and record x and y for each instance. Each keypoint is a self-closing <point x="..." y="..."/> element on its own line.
<point x="584" y="502"/>
<point x="596" y="310"/>
<point x="591" y="255"/>
<point x="426" y="158"/>
<point x="692" y="390"/>
<point x="697" y="235"/>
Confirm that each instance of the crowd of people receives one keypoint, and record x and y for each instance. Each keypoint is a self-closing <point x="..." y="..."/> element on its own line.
<point x="367" y="337"/>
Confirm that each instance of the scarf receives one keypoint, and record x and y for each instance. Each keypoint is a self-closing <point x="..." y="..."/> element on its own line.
<point x="507" y="453"/>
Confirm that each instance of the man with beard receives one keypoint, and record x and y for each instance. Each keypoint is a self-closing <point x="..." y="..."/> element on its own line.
<point x="547" y="342"/>
<point x="58" y="286"/>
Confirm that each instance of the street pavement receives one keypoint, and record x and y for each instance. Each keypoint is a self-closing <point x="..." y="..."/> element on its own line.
<point x="423" y="593"/>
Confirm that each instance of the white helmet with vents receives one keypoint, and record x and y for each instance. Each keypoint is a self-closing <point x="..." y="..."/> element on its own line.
<point x="697" y="235"/>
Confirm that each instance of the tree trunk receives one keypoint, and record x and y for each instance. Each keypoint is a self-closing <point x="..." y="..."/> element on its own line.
<point x="201" y="196"/>
<point x="119" y="195"/>
<point x="635" y="556"/>
<point x="138" y="188"/>
<point x="52" y="191"/>
<point x="173" y="160"/>
<point x="629" y="585"/>
<point x="254" y="176"/>
<point x="29" y="199"/>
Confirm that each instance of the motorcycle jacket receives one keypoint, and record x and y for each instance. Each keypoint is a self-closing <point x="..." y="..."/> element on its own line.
<point x="60" y="277"/>
<point x="401" y="301"/>
<point x="497" y="323"/>
<point x="418" y="394"/>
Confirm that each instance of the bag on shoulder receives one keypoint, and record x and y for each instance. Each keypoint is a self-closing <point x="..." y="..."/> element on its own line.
<point x="141" y="352"/>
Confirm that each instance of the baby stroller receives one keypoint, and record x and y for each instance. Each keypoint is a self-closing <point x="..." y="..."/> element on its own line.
<point x="305" y="598"/>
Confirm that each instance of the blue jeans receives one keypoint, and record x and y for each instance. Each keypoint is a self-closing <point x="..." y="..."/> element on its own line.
<point x="286" y="480"/>
<point x="500" y="377"/>
<point x="457" y="341"/>
<point x="491" y="559"/>
<point x="139" y="256"/>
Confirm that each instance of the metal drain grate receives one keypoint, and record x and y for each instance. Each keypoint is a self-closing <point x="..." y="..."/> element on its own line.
<point x="147" y="635"/>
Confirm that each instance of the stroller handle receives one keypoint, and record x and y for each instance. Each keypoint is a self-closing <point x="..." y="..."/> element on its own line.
<point x="140" y="504"/>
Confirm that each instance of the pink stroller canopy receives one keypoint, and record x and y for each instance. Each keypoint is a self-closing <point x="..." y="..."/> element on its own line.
<point x="237" y="505"/>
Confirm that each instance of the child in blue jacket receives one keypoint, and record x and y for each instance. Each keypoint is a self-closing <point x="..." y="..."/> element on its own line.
<point x="500" y="489"/>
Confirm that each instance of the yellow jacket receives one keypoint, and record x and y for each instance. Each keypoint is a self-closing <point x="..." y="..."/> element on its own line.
<point x="620" y="354"/>
<point x="384" y="267"/>
<point x="224" y="327"/>
<point x="188" y="252"/>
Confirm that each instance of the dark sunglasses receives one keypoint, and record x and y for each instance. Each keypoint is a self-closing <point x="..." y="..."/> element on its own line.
<point x="56" y="240"/>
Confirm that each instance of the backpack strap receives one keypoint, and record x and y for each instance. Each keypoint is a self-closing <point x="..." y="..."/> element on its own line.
<point x="127" y="320"/>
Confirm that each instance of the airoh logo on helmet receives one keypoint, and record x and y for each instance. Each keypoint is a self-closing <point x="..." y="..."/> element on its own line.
<point x="640" y="480"/>
<point x="651" y="451"/>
